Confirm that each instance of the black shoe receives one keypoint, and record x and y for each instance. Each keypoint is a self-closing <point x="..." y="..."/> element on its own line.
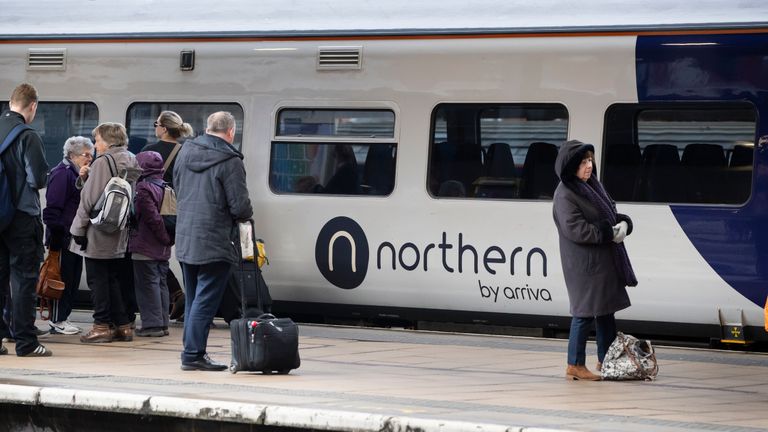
<point x="40" y="351"/>
<point x="150" y="332"/>
<point x="203" y="364"/>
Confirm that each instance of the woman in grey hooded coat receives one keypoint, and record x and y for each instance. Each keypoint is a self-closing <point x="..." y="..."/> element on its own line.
<point x="596" y="267"/>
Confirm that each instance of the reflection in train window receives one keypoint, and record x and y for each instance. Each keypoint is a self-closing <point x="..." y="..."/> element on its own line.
<point x="496" y="150"/>
<point x="679" y="152"/>
<point x="57" y="121"/>
<point x="334" y="152"/>
<point x="142" y="115"/>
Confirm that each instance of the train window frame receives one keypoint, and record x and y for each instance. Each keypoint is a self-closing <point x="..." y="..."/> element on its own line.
<point x="53" y="148"/>
<point x="332" y="178"/>
<point x="240" y="119"/>
<point x="488" y="184"/>
<point x="711" y="179"/>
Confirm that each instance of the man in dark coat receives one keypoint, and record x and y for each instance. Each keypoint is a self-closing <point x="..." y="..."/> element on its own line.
<point x="21" y="242"/>
<point x="596" y="267"/>
<point x="212" y="196"/>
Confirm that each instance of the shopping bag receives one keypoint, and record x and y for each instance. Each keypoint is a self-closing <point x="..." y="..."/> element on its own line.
<point x="629" y="359"/>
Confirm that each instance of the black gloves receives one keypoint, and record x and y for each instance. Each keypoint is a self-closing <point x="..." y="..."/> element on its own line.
<point x="82" y="241"/>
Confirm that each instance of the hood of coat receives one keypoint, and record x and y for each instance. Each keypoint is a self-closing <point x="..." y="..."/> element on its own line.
<point x="207" y="150"/>
<point x="568" y="159"/>
<point x="151" y="164"/>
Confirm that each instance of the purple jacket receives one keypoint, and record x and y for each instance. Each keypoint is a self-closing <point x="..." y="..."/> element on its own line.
<point x="62" y="199"/>
<point x="148" y="237"/>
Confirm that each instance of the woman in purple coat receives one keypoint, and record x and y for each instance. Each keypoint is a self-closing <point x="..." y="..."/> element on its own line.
<point x="150" y="247"/>
<point x="62" y="198"/>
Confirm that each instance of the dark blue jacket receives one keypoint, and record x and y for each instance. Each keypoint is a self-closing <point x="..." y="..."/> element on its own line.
<point x="211" y="194"/>
<point x="61" y="200"/>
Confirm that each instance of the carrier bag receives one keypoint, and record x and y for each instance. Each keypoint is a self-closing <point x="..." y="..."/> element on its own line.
<point x="263" y="342"/>
<point x="49" y="285"/>
<point x="629" y="359"/>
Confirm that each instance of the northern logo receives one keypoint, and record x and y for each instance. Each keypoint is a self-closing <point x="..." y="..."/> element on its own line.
<point x="341" y="252"/>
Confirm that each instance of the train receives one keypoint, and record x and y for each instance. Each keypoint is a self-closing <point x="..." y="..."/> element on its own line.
<point x="400" y="154"/>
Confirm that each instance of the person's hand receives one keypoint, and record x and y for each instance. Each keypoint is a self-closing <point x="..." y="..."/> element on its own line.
<point x="620" y="232"/>
<point x="82" y="241"/>
<point x="56" y="241"/>
<point x="84" y="171"/>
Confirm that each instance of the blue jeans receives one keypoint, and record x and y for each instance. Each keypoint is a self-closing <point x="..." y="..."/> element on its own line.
<point x="204" y="287"/>
<point x="605" y="333"/>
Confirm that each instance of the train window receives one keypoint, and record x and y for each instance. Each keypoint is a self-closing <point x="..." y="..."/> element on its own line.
<point x="142" y="115"/>
<point x="336" y="123"/>
<point x="495" y="150"/>
<point x="334" y="152"/>
<point x="680" y="152"/>
<point x="57" y="121"/>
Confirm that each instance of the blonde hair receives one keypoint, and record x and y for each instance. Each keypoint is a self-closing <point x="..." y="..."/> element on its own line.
<point x="113" y="134"/>
<point x="175" y="125"/>
<point x="23" y="95"/>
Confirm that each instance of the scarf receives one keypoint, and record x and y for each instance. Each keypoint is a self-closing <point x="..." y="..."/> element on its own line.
<point x="594" y="192"/>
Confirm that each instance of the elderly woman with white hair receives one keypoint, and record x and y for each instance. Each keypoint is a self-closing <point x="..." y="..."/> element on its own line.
<point x="62" y="197"/>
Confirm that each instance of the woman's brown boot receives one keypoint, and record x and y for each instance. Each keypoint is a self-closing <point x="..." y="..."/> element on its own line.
<point x="100" y="333"/>
<point x="580" y="372"/>
<point x="123" y="333"/>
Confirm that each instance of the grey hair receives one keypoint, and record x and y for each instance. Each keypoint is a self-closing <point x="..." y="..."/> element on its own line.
<point x="77" y="145"/>
<point x="220" y="122"/>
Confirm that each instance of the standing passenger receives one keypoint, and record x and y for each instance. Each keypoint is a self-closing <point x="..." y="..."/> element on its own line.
<point x="212" y="195"/>
<point x="169" y="129"/>
<point x="62" y="198"/>
<point x="150" y="247"/>
<point x="21" y="242"/>
<point x="104" y="251"/>
<point x="595" y="262"/>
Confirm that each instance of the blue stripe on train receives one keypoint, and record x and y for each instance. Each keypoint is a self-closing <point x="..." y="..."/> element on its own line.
<point x="734" y="241"/>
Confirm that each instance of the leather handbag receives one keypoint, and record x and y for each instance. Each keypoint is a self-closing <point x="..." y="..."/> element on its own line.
<point x="629" y="359"/>
<point x="49" y="284"/>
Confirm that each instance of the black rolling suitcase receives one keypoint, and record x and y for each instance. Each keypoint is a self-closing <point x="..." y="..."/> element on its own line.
<point x="260" y="341"/>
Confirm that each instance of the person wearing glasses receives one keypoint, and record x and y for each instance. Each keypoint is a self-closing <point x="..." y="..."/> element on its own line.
<point x="169" y="129"/>
<point x="62" y="199"/>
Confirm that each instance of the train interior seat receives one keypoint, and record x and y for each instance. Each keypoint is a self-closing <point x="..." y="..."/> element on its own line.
<point x="538" y="179"/>
<point x="500" y="179"/>
<point x="451" y="188"/>
<point x="456" y="161"/>
<point x="379" y="169"/>
<point x="704" y="173"/>
<point x="740" y="173"/>
<point x="659" y="181"/>
<point x="622" y="171"/>
<point x="135" y="144"/>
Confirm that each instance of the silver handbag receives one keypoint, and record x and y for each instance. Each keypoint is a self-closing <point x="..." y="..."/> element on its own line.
<point x="629" y="359"/>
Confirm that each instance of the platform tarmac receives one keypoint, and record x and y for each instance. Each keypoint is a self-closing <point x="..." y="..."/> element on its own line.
<point x="358" y="379"/>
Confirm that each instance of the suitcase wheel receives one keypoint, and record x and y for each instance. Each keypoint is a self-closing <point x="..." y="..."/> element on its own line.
<point x="232" y="369"/>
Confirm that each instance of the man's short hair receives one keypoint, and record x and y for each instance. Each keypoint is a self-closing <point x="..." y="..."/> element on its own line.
<point x="220" y="122"/>
<point x="113" y="134"/>
<point x="23" y="95"/>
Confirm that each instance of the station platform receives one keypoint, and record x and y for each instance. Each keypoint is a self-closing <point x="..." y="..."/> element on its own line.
<point x="358" y="379"/>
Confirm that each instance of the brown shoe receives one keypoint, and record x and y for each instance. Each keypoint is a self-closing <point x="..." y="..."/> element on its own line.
<point x="580" y="372"/>
<point x="123" y="333"/>
<point x="100" y="333"/>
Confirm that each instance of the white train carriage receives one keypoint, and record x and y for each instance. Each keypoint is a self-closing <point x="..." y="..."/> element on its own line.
<point x="399" y="154"/>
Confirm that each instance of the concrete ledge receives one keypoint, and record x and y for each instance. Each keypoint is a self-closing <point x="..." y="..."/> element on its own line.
<point x="235" y="412"/>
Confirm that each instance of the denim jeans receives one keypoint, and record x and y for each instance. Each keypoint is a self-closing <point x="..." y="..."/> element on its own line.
<point x="577" y="340"/>
<point x="204" y="287"/>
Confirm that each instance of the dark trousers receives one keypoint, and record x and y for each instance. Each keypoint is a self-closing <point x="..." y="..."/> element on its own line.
<point x="21" y="252"/>
<point x="150" y="279"/>
<point x="605" y="333"/>
<point x="204" y="285"/>
<point x="71" y="271"/>
<point x="103" y="276"/>
<point x="127" y="287"/>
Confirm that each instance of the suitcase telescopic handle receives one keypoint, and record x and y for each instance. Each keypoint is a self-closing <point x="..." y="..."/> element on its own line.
<point x="242" y="270"/>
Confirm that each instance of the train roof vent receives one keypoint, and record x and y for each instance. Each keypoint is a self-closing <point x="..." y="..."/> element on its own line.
<point x="338" y="58"/>
<point x="47" y="59"/>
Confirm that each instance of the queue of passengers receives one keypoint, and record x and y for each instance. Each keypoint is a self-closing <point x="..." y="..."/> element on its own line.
<point x="126" y="269"/>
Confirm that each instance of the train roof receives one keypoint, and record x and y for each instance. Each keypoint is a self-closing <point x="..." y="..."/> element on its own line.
<point x="87" y="19"/>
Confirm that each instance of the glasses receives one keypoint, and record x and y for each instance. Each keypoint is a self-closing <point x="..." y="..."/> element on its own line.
<point x="86" y="155"/>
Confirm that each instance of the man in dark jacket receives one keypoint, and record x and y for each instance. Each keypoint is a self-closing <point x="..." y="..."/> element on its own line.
<point x="211" y="193"/>
<point x="21" y="242"/>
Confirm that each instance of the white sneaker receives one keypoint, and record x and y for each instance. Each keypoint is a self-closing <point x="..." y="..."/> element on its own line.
<point x="64" y="327"/>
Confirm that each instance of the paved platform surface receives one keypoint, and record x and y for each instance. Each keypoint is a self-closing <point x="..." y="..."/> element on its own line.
<point x="374" y="379"/>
